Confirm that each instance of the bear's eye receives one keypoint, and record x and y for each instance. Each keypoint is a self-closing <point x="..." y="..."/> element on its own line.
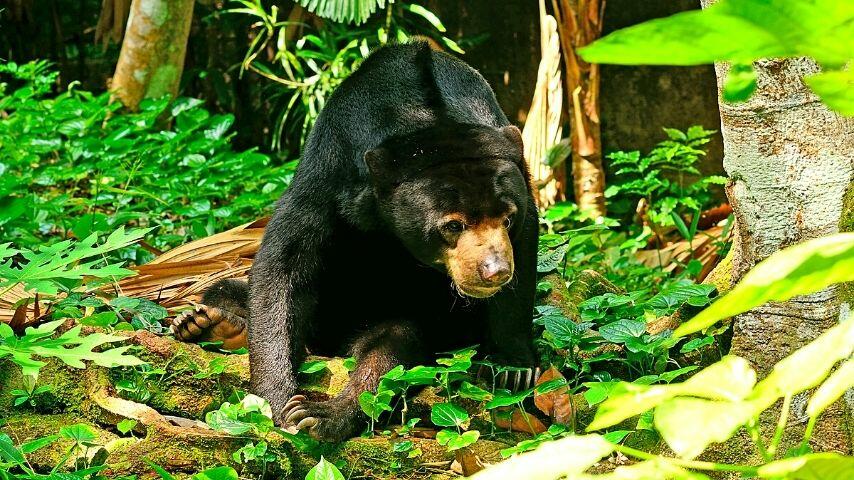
<point x="508" y="220"/>
<point x="453" y="226"/>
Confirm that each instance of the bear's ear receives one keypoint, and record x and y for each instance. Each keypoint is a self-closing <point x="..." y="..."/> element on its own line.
<point x="512" y="133"/>
<point x="381" y="166"/>
<point x="515" y="136"/>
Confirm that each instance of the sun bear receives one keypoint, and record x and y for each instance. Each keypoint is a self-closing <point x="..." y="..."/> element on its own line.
<point x="409" y="229"/>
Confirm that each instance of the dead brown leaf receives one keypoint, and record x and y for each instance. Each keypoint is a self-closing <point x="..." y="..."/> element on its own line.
<point x="519" y="421"/>
<point x="557" y="404"/>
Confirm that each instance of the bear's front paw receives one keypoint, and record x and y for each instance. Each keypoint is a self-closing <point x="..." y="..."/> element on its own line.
<point x="330" y="421"/>
<point x="514" y="379"/>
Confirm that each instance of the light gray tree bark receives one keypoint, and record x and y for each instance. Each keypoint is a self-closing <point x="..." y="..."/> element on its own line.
<point x="152" y="57"/>
<point x="791" y="162"/>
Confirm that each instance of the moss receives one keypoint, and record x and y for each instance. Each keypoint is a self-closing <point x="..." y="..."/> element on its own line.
<point x="721" y="275"/>
<point x="846" y="224"/>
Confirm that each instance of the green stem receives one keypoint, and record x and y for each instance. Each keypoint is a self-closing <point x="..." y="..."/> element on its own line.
<point x="756" y="436"/>
<point x="781" y="426"/>
<point x="808" y="431"/>
<point x="690" y="464"/>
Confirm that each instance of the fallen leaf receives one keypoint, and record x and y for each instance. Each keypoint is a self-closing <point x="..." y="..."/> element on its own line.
<point x="518" y="421"/>
<point x="468" y="461"/>
<point x="557" y="404"/>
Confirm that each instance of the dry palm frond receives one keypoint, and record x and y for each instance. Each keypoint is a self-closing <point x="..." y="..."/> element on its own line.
<point x="174" y="279"/>
<point x="543" y="127"/>
<point x="177" y="278"/>
<point x="704" y="247"/>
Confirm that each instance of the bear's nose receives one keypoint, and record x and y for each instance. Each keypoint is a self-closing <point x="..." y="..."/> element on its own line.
<point x="495" y="270"/>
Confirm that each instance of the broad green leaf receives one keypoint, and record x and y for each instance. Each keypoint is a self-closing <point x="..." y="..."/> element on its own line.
<point x="834" y="387"/>
<point x="659" y="469"/>
<point x="798" y="270"/>
<point x="216" y="473"/>
<point x="313" y="366"/>
<point x="689" y="425"/>
<point x="813" y="466"/>
<point x="568" y="456"/>
<point x="836" y="89"/>
<point x="375" y="404"/>
<point x="448" y="415"/>
<point x="456" y="441"/>
<point x="504" y="398"/>
<point x="473" y="392"/>
<point x="735" y="31"/>
<point x="688" y="38"/>
<point x="79" y="433"/>
<point x="729" y="379"/>
<point x="622" y="330"/>
<point x="790" y="376"/>
<point x="324" y="470"/>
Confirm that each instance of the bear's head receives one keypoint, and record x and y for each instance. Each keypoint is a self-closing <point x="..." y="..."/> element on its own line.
<point x="455" y="196"/>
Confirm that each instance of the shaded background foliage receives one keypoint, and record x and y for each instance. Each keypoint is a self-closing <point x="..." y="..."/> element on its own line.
<point x="643" y="98"/>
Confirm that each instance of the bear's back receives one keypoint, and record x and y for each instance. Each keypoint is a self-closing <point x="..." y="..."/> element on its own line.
<point x="398" y="90"/>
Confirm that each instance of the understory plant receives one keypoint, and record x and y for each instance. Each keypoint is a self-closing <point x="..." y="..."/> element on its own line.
<point x="73" y="163"/>
<point x="312" y="56"/>
<point x="718" y="401"/>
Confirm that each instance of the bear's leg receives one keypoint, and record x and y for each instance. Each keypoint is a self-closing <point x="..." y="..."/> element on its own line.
<point x="376" y="351"/>
<point x="220" y="318"/>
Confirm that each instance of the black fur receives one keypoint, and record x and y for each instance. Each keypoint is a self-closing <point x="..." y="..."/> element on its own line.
<point x="350" y="254"/>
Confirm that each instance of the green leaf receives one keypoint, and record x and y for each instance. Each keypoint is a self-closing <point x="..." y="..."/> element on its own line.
<point x="324" y="470"/>
<point x="217" y="473"/>
<point x="33" y="445"/>
<point x="313" y="366"/>
<point x="126" y="425"/>
<point x="729" y="379"/>
<point x="456" y="441"/>
<point x="834" y="387"/>
<point x="836" y="89"/>
<point x="375" y="404"/>
<point x="473" y="392"/>
<point x="348" y="11"/>
<point x="79" y="433"/>
<point x="798" y="270"/>
<point x="622" y="330"/>
<point x="504" y="398"/>
<point x="8" y="452"/>
<point x="813" y="466"/>
<point x="568" y="457"/>
<point x="426" y="14"/>
<point x="160" y="471"/>
<point x="448" y="415"/>
<point x="689" y="425"/>
<point x="103" y="319"/>
<point x="740" y="83"/>
<point x="789" y="376"/>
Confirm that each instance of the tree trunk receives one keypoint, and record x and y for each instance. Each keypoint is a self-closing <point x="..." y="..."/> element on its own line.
<point x="580" y="23"/>
<point x="152" y="56"/>
<point x="790" y="161"/>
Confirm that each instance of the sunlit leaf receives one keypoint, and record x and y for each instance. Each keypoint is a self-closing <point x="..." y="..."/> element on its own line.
<point x="834" y="387"/>
<point x="689" y="425"/>
<point x="836" y="89"/>
<point x="448" y="415"/>
<point x="813" y="466"/>
<point x="567" y="456"/>
<point x="798" y="270"/>
<point x="324" y="470"/>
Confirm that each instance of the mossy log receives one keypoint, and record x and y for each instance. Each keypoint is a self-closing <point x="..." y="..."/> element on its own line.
<point x="181" y="382"/>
